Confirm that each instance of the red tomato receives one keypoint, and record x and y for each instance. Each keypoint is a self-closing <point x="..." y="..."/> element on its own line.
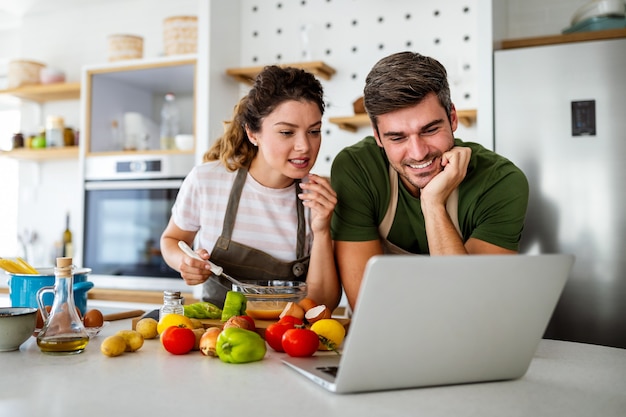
<point x="300" y="342"/>
<point x="178" y="340"/>
<point x="274" y="335"/>
<point x="291" y="319"/>
<point x="251" y="321"/>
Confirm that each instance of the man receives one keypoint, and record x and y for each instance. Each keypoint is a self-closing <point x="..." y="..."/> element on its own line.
<point x="393" y="188"/>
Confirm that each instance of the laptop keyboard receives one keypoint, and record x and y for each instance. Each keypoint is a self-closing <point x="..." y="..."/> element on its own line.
<point x="331" y="370"/>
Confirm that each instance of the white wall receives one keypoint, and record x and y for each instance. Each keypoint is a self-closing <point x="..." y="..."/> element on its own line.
<point x="72" y="37"/>
<point x="528" y="18"/>
<point x="351" y="39"/>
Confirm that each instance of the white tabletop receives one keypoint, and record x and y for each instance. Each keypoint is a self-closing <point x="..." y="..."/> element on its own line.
<point x="564" y="379"/>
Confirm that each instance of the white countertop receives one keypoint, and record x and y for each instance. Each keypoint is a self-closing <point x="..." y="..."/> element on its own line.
<point x="564" y="379"/>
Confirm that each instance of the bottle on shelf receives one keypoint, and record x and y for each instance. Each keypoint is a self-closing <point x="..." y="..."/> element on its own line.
<point x="170" y="120"/>
<point x="67" y="248"/>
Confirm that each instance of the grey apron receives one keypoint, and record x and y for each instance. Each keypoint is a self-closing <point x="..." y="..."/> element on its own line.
<point x="385" y="226"/>
<point x="246" y="263"/>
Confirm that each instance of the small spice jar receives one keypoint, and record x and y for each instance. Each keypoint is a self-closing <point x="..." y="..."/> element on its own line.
<point x="69" y="137"/>
<point x="18" y="141"/>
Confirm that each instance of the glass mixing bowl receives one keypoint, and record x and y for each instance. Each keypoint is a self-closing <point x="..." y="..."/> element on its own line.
<point x="267" y="299"/>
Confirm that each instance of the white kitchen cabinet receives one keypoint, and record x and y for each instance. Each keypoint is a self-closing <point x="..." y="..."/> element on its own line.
<point x="137" y="86"/>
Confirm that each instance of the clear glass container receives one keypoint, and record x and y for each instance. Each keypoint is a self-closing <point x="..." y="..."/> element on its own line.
<point x="172" y="304"/>
<point x="63" y="332"/>
<point x="54" y="131"/>
<point x="170" y="120"/>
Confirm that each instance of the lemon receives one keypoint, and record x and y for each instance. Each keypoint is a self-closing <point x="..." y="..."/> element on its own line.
<point x="331" y="333"/>
<point x="174" y="320"/>
<point x="132" y="338"/>
<point x="147" y="327"/>
<point x="113" y="346"/>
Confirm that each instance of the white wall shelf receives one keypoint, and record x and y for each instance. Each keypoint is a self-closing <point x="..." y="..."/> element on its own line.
<point x="135" y="86"/>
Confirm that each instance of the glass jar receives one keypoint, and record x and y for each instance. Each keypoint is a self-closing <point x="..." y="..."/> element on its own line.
<point x="172" y="304"/>
<point x="18" y="141"/>
<point x="55" y="127"/>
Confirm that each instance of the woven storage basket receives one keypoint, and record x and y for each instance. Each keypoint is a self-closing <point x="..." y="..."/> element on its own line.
<point x="125" y="47"/>
<point x="22" y="72"/>
<point x="180" y="35"/>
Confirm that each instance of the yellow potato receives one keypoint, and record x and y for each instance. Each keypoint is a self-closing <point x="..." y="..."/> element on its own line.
<point x="147" y="327"/>
<point x="113" y="346"/>
<point x="132" y="338"/>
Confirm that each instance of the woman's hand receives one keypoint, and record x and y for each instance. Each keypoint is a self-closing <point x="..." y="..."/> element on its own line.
<point x="193" y="271"/>
<point x="320" y="198"/>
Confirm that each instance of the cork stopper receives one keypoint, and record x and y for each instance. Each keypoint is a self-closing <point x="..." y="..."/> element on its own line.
<point x="64" y="262"/>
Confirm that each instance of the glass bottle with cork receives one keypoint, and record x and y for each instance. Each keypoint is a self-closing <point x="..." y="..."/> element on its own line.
<point x="63" y="332"/>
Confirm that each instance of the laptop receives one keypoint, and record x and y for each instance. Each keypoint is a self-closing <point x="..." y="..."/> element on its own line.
<point x="439" y="320"/>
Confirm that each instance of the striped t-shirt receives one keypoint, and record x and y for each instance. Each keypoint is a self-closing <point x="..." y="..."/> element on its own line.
<point x="266" y="217"/>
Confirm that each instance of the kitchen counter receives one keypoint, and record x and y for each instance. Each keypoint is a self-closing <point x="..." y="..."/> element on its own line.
<point x="564" y="379"/>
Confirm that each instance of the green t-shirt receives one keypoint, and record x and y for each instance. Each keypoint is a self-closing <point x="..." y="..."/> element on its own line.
<point x="493" y="199"/>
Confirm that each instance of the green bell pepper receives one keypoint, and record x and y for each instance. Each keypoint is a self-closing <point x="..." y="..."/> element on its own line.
<point x="237" y="345"/>
<point x="202" y="310"/>
<point x="234" y="305"/>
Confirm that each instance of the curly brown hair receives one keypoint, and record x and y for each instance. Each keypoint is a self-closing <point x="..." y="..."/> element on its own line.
<point x="273" y="86"/>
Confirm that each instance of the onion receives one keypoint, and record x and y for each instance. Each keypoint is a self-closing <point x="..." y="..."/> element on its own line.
<point x="208" y="341"/>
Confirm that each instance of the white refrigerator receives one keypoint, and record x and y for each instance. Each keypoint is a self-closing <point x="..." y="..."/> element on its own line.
<point x="560" y="115"/>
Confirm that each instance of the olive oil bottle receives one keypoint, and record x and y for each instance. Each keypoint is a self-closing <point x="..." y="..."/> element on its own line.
<point x="63" y="332"/>
<point x="67" y="249"/>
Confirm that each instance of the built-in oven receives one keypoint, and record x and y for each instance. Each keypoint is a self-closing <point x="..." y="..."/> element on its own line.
<point x="127" y="205"/>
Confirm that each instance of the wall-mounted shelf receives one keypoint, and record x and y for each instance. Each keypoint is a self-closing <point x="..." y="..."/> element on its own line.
<point x="45" y="154"/>
<point x="46" y="92"/>
<point x="248" y="74"/>
<point x="142" y="152"/>
<point x="353" y="123"/>
<point x="592" y="35"/>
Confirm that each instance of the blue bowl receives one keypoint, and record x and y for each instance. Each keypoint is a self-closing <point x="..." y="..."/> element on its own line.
<point x="23" y="288"/>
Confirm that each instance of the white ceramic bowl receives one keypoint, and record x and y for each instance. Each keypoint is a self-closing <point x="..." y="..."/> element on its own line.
<point x="17" y="324"/>
<point x="50" y="75"/>
<point x="184" y="142"/>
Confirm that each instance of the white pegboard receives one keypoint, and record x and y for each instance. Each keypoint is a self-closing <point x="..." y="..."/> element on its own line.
<point x="350" y="36"/>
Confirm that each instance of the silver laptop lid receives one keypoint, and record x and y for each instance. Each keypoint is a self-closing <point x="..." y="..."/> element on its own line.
<point x="423" y="321"/>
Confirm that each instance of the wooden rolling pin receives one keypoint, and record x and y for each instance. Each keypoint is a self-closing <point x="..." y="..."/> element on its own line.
<point x="123" y="315"/>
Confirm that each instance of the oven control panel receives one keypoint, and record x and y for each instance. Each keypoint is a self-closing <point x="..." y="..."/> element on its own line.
<point x="122" y="167"/>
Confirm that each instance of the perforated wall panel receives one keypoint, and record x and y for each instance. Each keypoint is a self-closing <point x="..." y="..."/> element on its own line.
<point x="350" y="36"/>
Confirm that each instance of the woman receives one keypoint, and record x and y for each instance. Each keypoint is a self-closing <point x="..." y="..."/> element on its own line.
<point x="254" y="206"/>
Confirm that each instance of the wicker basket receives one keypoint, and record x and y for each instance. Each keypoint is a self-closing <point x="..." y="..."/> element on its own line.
<point x="180" y="35"/>
<point x="125" y="47"/>
<point x="22" y="72"/>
